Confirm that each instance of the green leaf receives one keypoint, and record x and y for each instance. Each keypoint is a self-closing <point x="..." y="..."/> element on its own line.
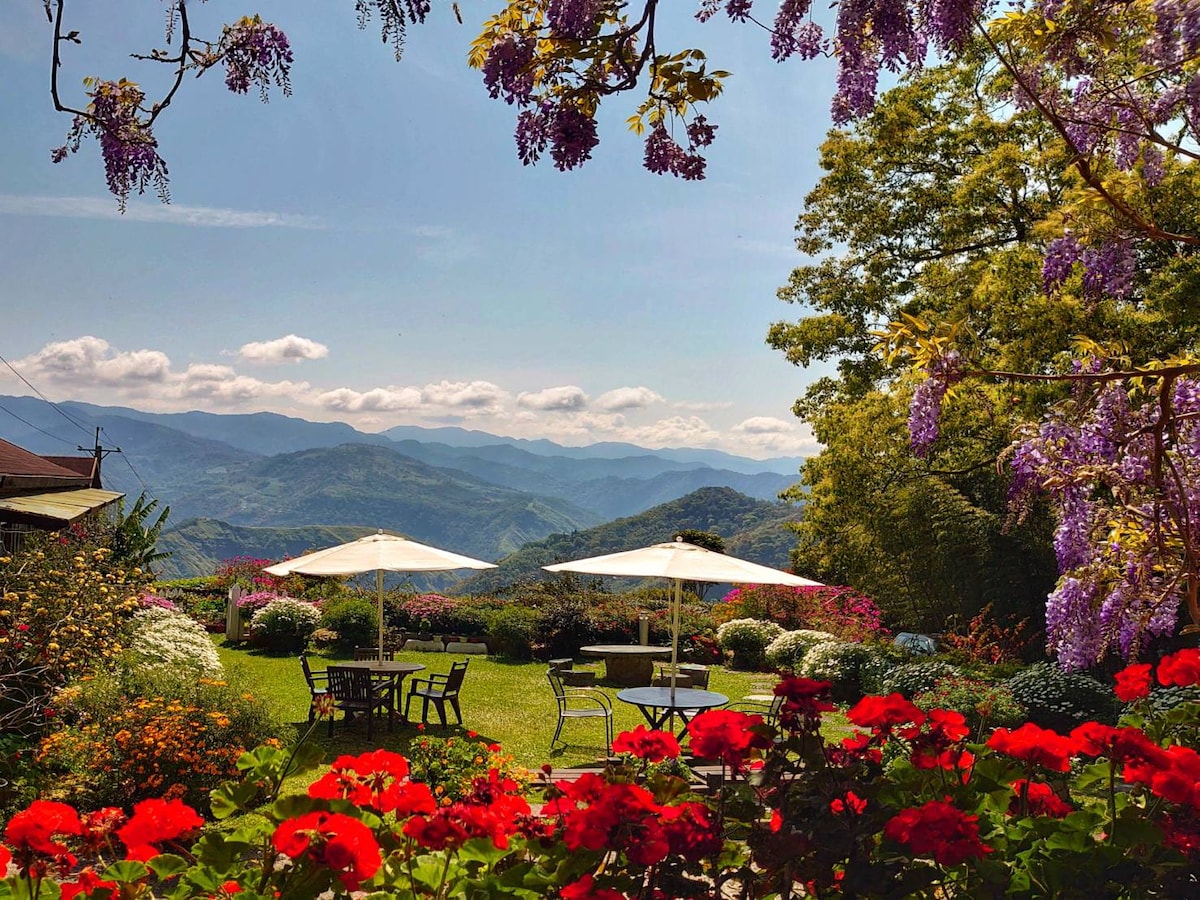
<point x="126" y="871"/>
<point x="168" y="865"/>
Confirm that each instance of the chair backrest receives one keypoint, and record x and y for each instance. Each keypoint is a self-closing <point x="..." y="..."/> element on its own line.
<point x="556" y="682"/>
<point x="698" y="674"/>
<point x="362" y="654"/>
<point x="350" y="684"/>
<point x="308" y="675"/>
<point x="454" y="678"/>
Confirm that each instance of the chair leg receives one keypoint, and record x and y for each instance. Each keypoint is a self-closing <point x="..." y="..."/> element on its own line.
<point x="557" y="732"/>
<point x="457" y="710"/>
<point x="424" y="710"/>
<point x="332" y="716"/>
<point x="407" y="704"/>
<point x="441" y="710"/>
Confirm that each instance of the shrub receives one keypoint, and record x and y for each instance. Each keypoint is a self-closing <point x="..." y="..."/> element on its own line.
<point x="747" y="639"/>
<point x="450" y="765"/>
<point x="427" y="612"/>
<point x="840" y="663"/>
<point x="251" y="603"/>
<point x="983" y="705"/>
<point x="786" y="651"/>
<point x="514" y="631"/>
<point x="1062" y="700"/>
<point x="64" y="611"/>
<point x="985" y="639"/>
<point x="841" y="611"/>
<point x="163" y="637"/>
<point x="917" y="677"/>
<point x="147" y="733"/>
<point x="285" y="624"/>
<point x="355" y="622"/>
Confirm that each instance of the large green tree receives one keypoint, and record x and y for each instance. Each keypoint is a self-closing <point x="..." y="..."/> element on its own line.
<point x="937" y="208"/>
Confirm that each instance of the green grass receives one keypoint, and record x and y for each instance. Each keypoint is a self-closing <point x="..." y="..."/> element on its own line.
<point x="510" y="703"/>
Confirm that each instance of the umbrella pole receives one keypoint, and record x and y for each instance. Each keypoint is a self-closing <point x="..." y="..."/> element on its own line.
<point x="675" y="641"/>
<point x="379" y="592"/>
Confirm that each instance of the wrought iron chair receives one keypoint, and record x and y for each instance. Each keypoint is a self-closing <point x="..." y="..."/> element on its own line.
<point x="765" y="705"/>
<point x="580" y="703"/>
<point x="356" y="690"/>
<point x="318" y="685"/>
<point x="439" y="690"/>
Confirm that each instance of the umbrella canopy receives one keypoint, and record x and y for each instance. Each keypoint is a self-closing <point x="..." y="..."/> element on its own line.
<point x="377" y="553"/>
<point x="681" y="561"/>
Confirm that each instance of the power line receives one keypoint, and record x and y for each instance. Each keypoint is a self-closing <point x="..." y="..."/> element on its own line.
<point x="29" y="385"/>
<point x="35" y="428"/>
<point x="125" y="457"/>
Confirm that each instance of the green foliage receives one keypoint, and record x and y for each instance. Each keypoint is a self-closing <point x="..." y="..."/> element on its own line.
<point x="1061" y="700"/>
<point x="284" y="624"/>
<point x="916" y="678"/>
<point x="135" y="537"/>
<point x="450" y="765"/>
<point x="514" y="630"/>
<point x="984" y="706"/>
<point x="354" y="620"/>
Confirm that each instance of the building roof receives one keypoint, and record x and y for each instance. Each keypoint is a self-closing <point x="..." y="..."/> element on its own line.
<point x="21" y="463"/>
<point x="55" y="508"/>
<point x="81" y="465"/>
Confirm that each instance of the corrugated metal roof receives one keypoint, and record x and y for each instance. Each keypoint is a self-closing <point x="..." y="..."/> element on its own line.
<point x="59" y="506"/>
<point x="16" y="461"/>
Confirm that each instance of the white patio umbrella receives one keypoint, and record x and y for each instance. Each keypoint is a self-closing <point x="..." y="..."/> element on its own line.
<point x="681" y="561"/>
<point x="377" y="553"/>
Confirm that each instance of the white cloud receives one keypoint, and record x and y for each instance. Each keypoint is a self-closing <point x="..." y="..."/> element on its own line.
<point x="389" y="399"/>
<point x="150" y="211"/>
<point x="291" y="348"/>
<point x="466" y="398"/>
<point x="556" y="399"/>
<point x="677" y="431"/>
<point x="88" y="360"/>
<point x="703" y="406"/>
<point x="763" y="425"/>
<point x="627" y="398"/>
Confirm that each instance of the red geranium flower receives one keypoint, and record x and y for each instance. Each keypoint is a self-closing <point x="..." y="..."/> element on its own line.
<point x="726" y="735"/>
<point x="378" y="780"/>
<point x="851" y="803"/>
<point x="804" y="701"/>
<point x="691" y="831"/>
<point x="940" y="830"/>
<point x="342" y="843"/>
<point x="884" y="713"/>
<point x="436" y="832"/>
<point x="156" y="821"/>
<point x="1039" y="746"/>
<point x="1182" y="668"/>
<point x="5" y="858"/>
<point x="585" y="889"/>
<point x="1040" y="800"/>
<point x="1133" y="683"/>
<point x="85" y="883"/>
<point x="33" y="831"/>
<point x="652" y="746"/>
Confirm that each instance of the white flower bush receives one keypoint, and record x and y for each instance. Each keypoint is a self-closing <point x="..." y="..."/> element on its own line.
<point x="164" y="637"/>
<point x="786" y="651"/>
<point x="285" y="623"/>
<point x="747" y="635"/>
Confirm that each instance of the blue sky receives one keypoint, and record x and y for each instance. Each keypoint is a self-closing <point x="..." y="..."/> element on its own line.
<point x="371" y="250"/>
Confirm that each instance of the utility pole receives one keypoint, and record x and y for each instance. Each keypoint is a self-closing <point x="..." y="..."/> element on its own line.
<point x="98" y="453"/>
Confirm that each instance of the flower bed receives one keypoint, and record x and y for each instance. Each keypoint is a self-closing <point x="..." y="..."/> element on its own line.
<point x="904" y="807"/>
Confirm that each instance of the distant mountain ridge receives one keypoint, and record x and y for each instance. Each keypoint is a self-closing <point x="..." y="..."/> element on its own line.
<point x="468" y="491"/>
<point x="756" y="530"/>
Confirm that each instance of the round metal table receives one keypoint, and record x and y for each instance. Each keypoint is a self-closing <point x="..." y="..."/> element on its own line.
<point x="658" y="705"/>
<point x="627" y="664"/>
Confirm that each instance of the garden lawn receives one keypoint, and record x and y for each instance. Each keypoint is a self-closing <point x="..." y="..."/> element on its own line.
<point x="510" y="703"/>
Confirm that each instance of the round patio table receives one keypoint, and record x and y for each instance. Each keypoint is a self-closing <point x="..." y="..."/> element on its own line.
<point x="627" y="664"/>
<point x="658" y="705"/>
<point x="396" y="671"/>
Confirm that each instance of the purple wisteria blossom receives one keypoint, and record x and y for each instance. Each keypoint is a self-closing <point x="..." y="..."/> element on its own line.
<point x="256" y="52"/>
<point x="573" y="19"/>
<point x="508" y="69"/>
<point x="926" y="407"/>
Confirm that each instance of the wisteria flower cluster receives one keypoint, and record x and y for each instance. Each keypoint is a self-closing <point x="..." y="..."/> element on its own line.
<point x="256" y="52"/>
<point x="1124" y="485"/>
<point x="926" y="407"/>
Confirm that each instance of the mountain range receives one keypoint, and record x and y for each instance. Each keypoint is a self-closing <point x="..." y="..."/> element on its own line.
<point x="475" y="493"/>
